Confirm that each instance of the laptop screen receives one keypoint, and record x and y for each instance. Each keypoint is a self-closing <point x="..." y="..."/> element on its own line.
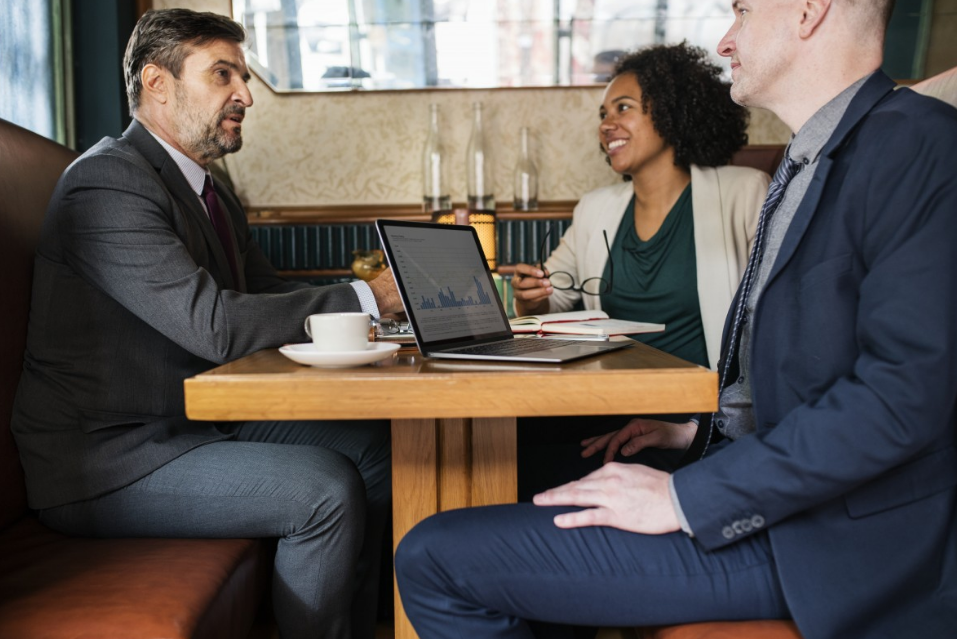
<point x="445" y="282"/>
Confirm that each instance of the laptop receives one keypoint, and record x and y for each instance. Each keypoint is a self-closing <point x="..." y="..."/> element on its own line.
<point x="452" y="303"/>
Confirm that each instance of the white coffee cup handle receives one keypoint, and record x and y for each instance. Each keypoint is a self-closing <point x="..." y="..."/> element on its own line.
<point x="308" y="331"/>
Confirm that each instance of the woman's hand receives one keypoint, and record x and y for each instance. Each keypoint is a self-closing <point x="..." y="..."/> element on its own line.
<point x="530" y="288"/>
<point x="638" y="434"/>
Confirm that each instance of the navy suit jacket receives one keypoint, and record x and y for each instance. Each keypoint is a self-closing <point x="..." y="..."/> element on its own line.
<point x="132" y="294"/>
<point x="853" y="467"/>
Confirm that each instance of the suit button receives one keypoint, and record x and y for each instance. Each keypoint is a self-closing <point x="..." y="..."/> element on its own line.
<point x="741" y="379"/>
<point x="746" y="525"/>
<point x="736" y="526"/>
<point x="757" y="521"/>
<point x="727" y="532"/>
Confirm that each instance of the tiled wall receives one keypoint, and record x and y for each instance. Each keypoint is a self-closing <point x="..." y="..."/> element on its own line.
<point x="365" y="148"/>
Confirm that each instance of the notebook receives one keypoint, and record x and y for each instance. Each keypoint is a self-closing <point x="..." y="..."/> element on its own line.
<point x="451" y="301"/>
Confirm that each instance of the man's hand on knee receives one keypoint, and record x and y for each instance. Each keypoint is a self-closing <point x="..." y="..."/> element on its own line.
<point x="627" y="496"/>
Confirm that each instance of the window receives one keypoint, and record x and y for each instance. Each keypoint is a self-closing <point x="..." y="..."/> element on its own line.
<point x="334" y="45"/>
<point x="31" y="86"/>
<point x="318" y="45"/>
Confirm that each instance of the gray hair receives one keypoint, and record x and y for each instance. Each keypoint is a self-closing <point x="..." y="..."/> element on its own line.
<point x="166" y="38"/>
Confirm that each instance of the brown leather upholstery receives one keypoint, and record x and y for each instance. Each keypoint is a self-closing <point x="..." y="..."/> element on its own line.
<point x="765" y="157"/>
<point x="29" y="168"/>
<point x="58" y="587"/>
<point x="726" y="630"/>
<point x="53" y="586"/>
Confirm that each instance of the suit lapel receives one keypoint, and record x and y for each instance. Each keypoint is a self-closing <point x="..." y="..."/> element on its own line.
<point x="871" y="93"/>
<point x="185" y="197"/>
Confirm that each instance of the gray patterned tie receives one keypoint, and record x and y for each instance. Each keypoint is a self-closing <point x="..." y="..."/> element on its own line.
<point x="779" y="184"/>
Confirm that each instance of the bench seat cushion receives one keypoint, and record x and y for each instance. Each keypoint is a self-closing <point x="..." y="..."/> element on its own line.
<point x="58" y="587"/>
<point x="726" y="630"/>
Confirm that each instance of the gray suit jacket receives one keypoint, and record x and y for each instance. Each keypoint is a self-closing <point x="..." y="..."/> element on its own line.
<point x="132" y="294"/>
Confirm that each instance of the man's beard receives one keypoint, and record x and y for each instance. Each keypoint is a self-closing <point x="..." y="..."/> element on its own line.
<point x="213" y="142"/>
<point x="209" y="141"/>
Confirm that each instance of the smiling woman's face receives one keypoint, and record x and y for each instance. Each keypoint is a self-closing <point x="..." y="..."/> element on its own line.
<point x="626" y="132"/>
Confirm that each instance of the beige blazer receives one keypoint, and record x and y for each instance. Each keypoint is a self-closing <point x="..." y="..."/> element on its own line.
<point x="726" y="202"/>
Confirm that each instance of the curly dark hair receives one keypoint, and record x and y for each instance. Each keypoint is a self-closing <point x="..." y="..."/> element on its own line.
<point x="690" y="105"/>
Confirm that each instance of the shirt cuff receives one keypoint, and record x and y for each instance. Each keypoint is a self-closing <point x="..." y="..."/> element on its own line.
<point x="366" y="298"/>
<point x="682" y="520"/>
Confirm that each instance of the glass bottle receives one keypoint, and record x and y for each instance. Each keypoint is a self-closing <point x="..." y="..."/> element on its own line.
<point x="480" y="191"/>
<point x="435" y="181"/>
<point x="526" y="177"/>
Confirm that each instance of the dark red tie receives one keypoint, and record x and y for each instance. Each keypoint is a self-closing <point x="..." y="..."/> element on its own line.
<point x="218" y="219"/>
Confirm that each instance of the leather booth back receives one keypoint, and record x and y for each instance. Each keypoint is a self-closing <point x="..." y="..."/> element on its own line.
<point x="942" y="86"/>
<point x="30" y="166"/>
<point x="765" y="157"/>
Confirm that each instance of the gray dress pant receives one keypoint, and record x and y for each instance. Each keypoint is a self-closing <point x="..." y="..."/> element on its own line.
<point x="322" y="488"/>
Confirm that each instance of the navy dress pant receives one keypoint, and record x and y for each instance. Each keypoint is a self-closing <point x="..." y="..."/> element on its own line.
<point x="488" y="572"/>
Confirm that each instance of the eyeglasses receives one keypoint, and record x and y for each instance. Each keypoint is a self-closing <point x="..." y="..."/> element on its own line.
<point x="563" y="281"/>
<point x="386" y="326"/>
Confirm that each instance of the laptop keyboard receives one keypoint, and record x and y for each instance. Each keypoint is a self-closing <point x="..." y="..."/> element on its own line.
<point x="514" y="346"/>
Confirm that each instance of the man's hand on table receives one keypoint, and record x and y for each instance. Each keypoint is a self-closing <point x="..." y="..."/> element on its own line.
<point x="386" y="294"/>
<point x="631" y="497"/>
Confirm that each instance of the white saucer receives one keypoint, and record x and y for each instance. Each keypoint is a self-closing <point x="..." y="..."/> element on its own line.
<point x="307" y="354"/>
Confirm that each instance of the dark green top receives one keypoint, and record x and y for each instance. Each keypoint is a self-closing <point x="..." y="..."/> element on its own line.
<point x="656" y="281"/>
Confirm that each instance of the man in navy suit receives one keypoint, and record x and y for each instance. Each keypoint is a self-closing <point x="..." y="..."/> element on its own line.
<point x="827" y="488"/>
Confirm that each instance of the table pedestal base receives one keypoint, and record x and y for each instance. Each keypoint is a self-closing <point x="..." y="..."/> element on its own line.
<point x="442" y="464"/>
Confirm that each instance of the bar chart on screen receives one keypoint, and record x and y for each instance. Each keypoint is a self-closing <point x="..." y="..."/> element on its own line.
<point x="446" y="282"/>
<point x="448" y="299"/>
<point x="441" y="274"/>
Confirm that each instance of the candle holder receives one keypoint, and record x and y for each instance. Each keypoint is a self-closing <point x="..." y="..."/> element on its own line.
<point x="484" y="223"/>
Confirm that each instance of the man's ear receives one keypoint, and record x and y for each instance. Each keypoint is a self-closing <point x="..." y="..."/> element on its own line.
<point x="156" y="83"/>
<point x="813" y="16"/>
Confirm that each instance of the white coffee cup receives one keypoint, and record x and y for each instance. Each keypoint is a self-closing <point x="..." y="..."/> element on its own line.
<point x="339" y="332"/>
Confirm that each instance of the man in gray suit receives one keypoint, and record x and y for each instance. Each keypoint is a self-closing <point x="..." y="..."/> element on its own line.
<point x="144" y="277"/>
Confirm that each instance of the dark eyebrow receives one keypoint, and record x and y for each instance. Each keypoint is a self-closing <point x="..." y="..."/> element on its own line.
<point x="601" y="107"/>
<point x="623" y="97"/>
<point x="233" y="66"/>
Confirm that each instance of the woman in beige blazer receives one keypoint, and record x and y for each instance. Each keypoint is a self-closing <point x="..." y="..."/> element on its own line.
<point x="678" y="229"/>
<point x="725" y="201"/>
<point x="667" y="122"/>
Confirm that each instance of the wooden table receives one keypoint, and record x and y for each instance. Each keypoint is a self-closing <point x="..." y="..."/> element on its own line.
<point x="453" y="422"/>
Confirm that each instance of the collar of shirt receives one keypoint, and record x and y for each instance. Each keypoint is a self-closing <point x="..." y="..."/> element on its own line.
<point x="195" y="174"/>
<point x="807" y="144"/>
